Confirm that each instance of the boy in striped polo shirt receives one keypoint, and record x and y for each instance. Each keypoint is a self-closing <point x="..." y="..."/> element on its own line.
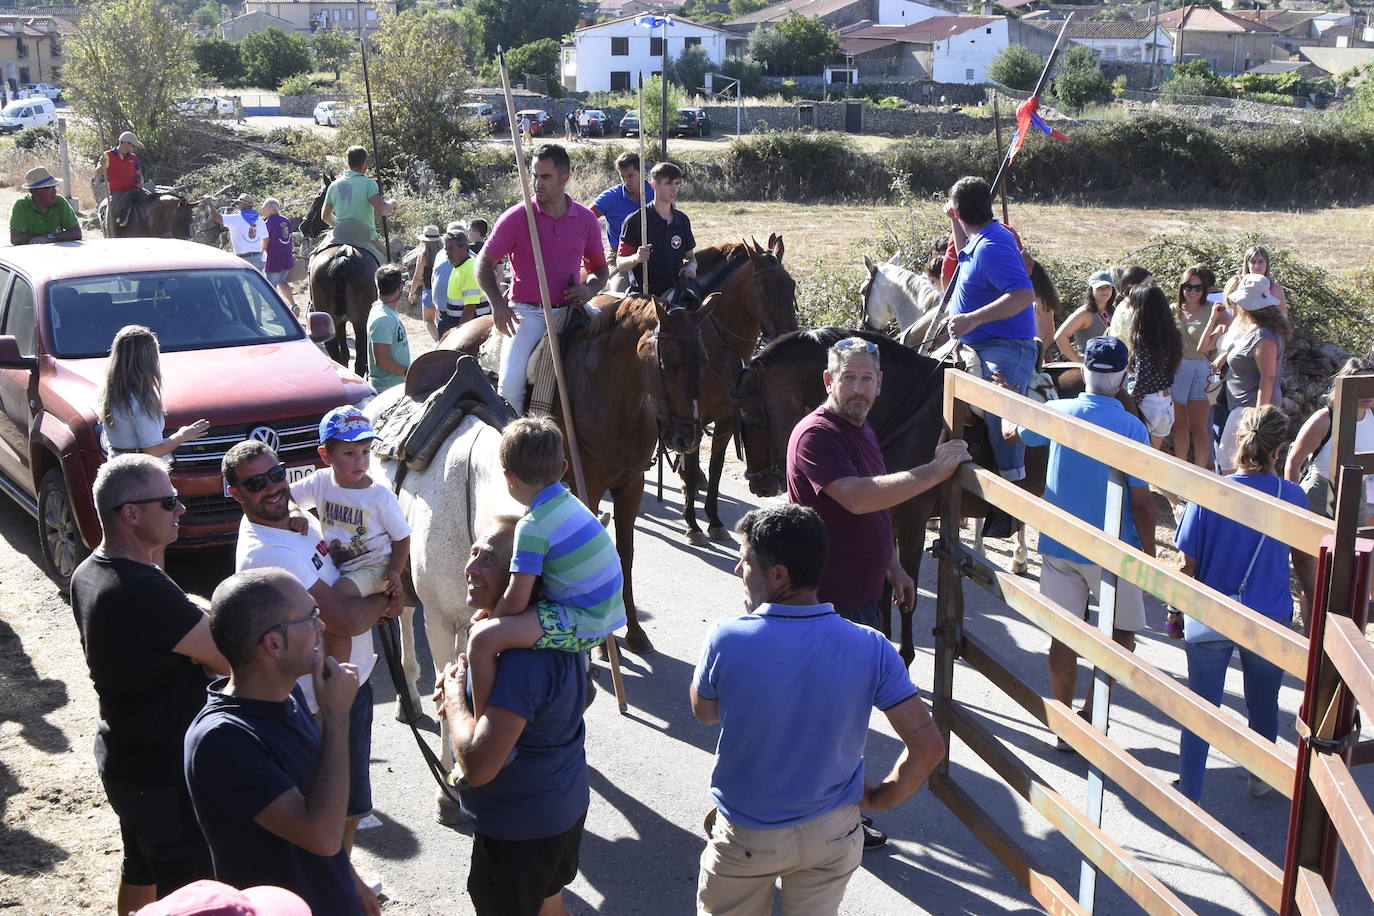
<point x="562" y="541"/>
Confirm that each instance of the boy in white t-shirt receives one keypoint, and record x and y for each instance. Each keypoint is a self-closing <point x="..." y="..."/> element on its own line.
<point x="363" y="526"/>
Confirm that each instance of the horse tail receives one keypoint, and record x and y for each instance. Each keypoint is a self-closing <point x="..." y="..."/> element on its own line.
<point x="337" y="273"/>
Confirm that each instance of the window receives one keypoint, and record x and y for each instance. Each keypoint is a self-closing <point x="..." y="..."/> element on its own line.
<point x="620" y="80"/>
<point x="620" y="47"/>
<point x="371" y="15"/>
<point x="655" y="46"/>
<point x="350" y="14"/>
<point x="696" y="40"/>
<point x="989" y="31"/>
<point x="19" y="316"/>
<point x="1109" y="54"/>
<point x="968" y="75"/>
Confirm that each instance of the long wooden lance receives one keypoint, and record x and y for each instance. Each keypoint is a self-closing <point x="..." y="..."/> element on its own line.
<point x="564" y="398"/>
<point x="643" y="170"/>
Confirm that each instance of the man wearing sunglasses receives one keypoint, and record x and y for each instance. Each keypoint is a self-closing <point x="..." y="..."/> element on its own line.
<point x="270" y="785"/>
<point x="144" y="641"/>
<point x="257" y="480"/>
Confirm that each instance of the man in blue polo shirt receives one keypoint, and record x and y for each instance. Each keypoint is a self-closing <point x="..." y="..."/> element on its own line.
<point x="792" y="684"/>
<point x="992" y="308"/>
<point x="1078" y="485"/>
<point x="616" y="203"/>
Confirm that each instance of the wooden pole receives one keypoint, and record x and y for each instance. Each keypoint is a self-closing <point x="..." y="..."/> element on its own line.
<point x="643" y="202"/>
<point x="574" y="454"/>
<point x="997" y="131"/>
<point x="372" y="124"/>
<point x="1039" y="88"/>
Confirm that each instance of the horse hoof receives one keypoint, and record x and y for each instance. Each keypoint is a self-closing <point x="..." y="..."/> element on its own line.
<point x="447" y="813"/>
<point x="415" y="704"/>
<point x="696" y="538"/>
<point x="1019" y="567"/>
<point x="720" y="533"/>
<point x="638" y="642"/>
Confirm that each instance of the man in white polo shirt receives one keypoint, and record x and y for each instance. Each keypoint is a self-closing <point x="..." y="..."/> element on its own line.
<point x="257" y="480"/>
<point x="245" y="229"/>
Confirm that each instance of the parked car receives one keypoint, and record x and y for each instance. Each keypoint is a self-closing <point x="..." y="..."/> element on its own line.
<point x="327" y="114"/>
<point x="232" y="352"/>
<point x="24" y="113"/>
<point x="596" y="122"/>
<point x="46" y="90"/>
<point x="211" y="106"/>
<point x="629" y="125"/>
<point x="484" y="111"/>
<point x="541" y="125"/>
<point x="692" y="122"/>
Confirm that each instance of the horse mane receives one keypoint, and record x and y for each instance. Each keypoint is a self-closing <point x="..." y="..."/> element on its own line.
<point x="908" y="280"/>
<point x="609" y="318"/>
<point x="717" y="261"/>
<point x="890" y="352"/>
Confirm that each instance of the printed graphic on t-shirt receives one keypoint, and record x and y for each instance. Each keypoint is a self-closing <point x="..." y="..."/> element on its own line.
<point x="338" y="519"/>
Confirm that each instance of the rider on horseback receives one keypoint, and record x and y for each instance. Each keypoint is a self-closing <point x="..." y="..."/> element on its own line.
<point x="352" y="205"/>
<point x="669" y="250"/>
<point x="569" y="240"/>
<point x="124" y="175"/>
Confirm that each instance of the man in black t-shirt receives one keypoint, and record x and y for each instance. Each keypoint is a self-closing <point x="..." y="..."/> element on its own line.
<point x="669" y="251"/>
<point x="144" y="640"/>
<point x="270" y="786"/>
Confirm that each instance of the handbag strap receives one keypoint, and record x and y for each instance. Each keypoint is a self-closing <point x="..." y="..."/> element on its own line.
<point x="1245" y="580"/>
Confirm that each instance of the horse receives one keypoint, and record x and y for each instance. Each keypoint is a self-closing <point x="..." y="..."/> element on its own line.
<point x="894" y="295"/>
<point x="783" y="384"/>
<point x="342" y="282"/>
<point x="164" y="215"/>
<point x="634" y="378"/>
<point x="759" y="296"/>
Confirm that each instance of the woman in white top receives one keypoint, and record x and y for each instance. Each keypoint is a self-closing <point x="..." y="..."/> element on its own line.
<point x="1315" y="436"/>
<point x="131" y="402"/>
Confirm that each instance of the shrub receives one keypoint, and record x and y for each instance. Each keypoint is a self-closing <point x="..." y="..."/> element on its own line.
<point x="270" y="56"/>
<point x="299" y="84"/>
<point x="219" y="61"/>
<point x="36" y="139"/>
<point x="258" y="177"/>
<point x="1016" y="67"/>
<point x="791" y="165"/>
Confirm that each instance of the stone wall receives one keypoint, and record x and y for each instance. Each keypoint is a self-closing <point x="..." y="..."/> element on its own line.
<point x="302" y="106"/>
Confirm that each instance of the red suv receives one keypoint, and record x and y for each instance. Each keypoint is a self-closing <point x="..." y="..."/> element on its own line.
<point x="232" y="352"/>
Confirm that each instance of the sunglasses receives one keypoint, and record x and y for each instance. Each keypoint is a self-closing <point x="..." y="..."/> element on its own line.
<point x="313" y="615"/>
<point x="855" y="343"/>
<point x="258" y="482"/>
<point x="168" y="503"/>
<point x="1195" y="287"/>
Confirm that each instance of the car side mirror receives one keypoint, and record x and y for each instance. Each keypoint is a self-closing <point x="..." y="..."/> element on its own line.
<point x="320" y="326"/>
<point x="10" y="357"/>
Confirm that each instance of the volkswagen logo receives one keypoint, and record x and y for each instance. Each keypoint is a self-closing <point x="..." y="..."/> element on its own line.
<point x="267" y="436"/>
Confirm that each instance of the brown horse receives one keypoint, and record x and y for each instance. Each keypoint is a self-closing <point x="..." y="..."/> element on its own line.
<point x="166" y="215"/>
<point x="783" y="384"/>
<point x="634" y="376"/>
<point x="342" y="282"/>
<point x="758" y="296"/>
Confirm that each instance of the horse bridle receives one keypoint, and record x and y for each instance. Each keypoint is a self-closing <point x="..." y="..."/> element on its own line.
<point x="775" y="463"/>
<point x="692" y="347"/>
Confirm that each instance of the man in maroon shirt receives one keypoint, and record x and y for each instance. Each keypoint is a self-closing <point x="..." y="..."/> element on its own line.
<point x="834" y="466"/>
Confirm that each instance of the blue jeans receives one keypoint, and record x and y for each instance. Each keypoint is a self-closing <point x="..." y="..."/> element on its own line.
<point x="1207" y="664"/>
<point x="1015" y="361"/>
<point x="360" y="754"/>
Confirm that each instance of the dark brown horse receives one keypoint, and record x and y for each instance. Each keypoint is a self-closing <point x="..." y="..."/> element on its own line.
<point x="758" y="296"/>
<point x="784" y="384"/>
<point x="343" y="283"/>
<point x="634" y="376"/>
<point x="166" y="215"/>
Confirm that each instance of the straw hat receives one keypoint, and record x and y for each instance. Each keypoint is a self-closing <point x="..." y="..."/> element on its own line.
<point x="430" y="234"/>
<point x="1252" y="294"/>
<point x="245" y="200"/>
<point x="128" y="137"/>
<point x="39" y="178"/>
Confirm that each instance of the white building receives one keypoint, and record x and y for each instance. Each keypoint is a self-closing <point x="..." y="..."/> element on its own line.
<point x="612" y="56"/>
<point x="1126" y="40"/>
<point x="953" y="49"/>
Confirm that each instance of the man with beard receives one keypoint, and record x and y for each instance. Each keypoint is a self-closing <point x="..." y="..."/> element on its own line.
<point x="834" y="466"/>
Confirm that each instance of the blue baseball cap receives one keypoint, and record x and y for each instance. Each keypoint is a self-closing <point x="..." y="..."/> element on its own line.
<point x="347" y="424"/>
<point x="1106" y="354"/>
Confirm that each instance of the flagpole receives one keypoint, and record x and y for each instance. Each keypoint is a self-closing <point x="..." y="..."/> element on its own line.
<point x="1039" y="87"/>
<point x="663" y="80"/>
<point x="643" y="195"/>
<point x="997" y="132"/>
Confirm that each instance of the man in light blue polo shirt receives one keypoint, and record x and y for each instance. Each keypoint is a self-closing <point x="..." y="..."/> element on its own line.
<point x="993" y="305"/>
<point x="616" y="203"/>
<point x="1078" y="485"/>
<point x="792" y="684"/>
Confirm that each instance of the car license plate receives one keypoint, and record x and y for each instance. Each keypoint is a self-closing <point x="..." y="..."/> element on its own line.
<point x="293" y="474"/>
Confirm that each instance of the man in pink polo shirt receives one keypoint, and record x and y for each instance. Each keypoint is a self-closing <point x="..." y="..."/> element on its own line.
<point x="569" y="240"/>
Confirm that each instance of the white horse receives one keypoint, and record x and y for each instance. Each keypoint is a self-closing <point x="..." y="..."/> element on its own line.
<point x="447" y="504"/>
<point x="893" y="294"/>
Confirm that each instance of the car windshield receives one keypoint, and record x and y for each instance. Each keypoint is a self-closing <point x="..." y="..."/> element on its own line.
<point x="13" y="108"/>
<point x="188" y="310"/>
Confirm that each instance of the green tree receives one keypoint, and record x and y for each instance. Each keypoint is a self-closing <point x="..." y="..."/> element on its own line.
<point x="1194" y="78"/>
<point x="270" y="56"/>
<point x="797" y="45"/>
<point x="219" y="61"/>
<point x="332" y="49"/>
<point x="651" y="118"/>
<point x="419" y="73"/>
<point x="512" y="23"/>
<point x="1016" y="67"/>
<point x="206" y="15"/>
<point x="689" y="68"/>
<point x="1078" y="81"/>
<point x="127" y="65"/>
<point x="749" y="73"/>
<point x="538" y="58"/>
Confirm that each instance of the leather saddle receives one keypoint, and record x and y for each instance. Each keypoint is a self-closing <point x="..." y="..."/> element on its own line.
<point x="441" y="388"/>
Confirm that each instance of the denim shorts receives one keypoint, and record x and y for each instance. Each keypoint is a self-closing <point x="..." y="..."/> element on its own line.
<point x="1190" y="382"/>
<point x="360" y="754"/>
<point x="277" y="277"/>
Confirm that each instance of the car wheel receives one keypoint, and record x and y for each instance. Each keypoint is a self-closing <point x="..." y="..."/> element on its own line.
<point x="59" y="537"/>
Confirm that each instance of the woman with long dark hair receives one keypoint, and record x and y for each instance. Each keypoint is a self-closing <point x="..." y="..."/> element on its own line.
<point x="1091" y="318"/>
<point x="1198" y="327"/>
<point x="1156" y="350"/>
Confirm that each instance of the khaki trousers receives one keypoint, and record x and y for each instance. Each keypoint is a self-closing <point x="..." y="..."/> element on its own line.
<point x="741" y="866"/>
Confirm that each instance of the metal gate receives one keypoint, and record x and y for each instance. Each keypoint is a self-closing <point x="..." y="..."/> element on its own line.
<point x="1336" y="801"/>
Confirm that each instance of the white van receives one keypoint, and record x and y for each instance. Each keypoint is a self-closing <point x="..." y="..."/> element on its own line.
<point x="26" y="113"/>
